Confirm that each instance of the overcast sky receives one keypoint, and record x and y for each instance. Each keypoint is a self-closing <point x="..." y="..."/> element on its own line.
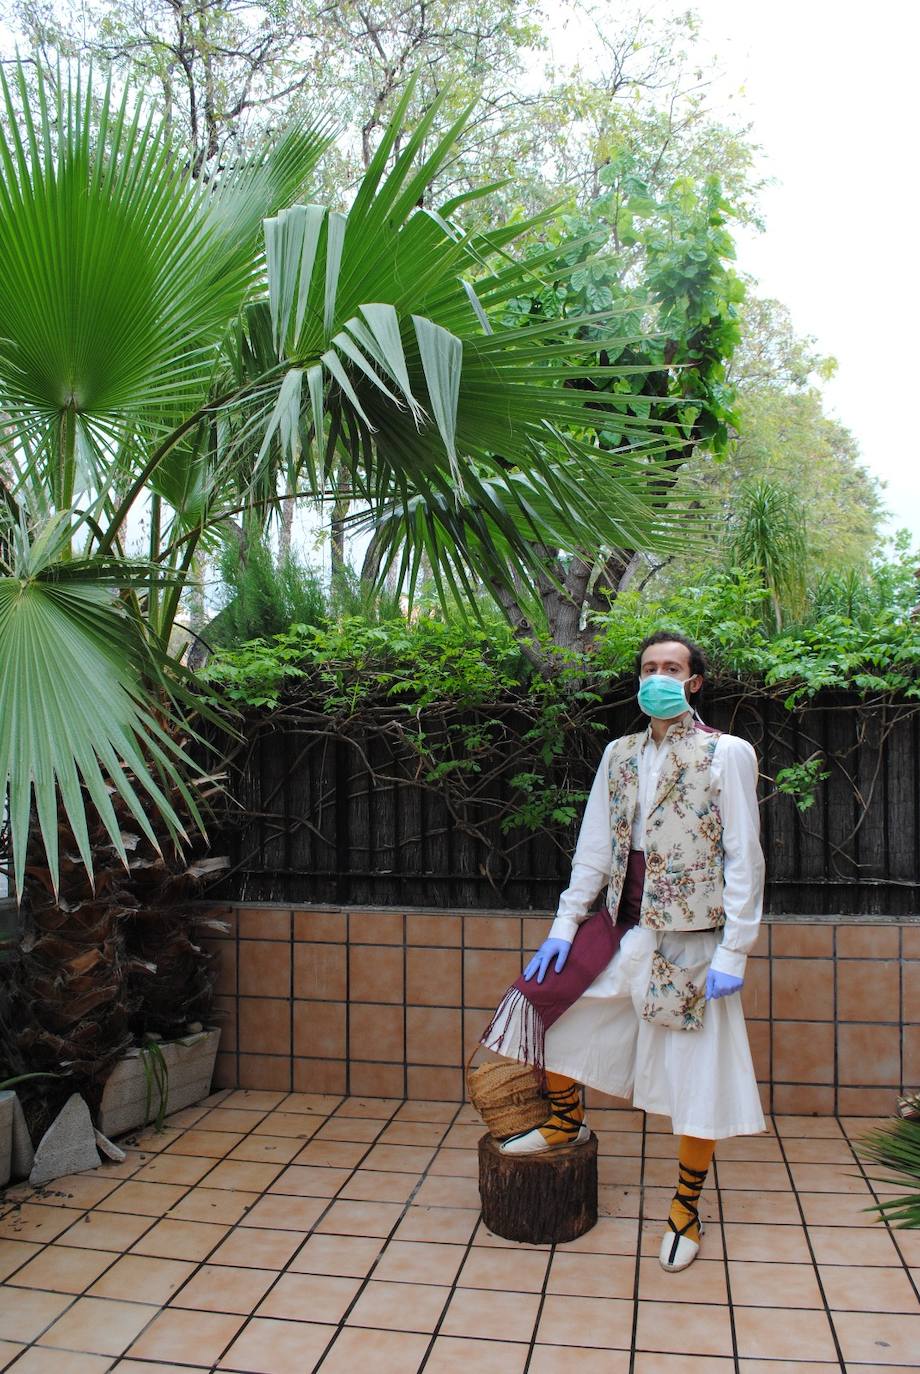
<point x="831" y="88"/>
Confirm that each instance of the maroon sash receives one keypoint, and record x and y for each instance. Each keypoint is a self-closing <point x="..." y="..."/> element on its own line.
<point x="596" y="942"/>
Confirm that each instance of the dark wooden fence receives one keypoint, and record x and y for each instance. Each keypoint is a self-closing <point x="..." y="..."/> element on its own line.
<point x="333" y="815"/>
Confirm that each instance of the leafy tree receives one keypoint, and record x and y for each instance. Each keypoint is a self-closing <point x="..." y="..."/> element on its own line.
<point x="767" y="537"/>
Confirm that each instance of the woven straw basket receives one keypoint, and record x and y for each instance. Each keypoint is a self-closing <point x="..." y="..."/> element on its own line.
<point x="507" y="1097"/>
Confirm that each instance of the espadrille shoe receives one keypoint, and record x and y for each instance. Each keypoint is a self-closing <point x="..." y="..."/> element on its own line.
<point x="565" y="1125"/>
<point x="678" y="1251"/>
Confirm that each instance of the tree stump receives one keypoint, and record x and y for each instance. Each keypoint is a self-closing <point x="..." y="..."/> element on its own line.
<point x="539" y="1199"/>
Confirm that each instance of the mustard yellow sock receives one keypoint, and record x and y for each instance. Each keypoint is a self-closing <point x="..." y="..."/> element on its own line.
<point x="561" y="1126"/>
<point x="694" y="1157"/>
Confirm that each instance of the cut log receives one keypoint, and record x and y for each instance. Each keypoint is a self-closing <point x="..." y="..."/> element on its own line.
<point x="539" y="1199"/>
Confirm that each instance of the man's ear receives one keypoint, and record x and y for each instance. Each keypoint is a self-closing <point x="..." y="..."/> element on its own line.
<point x="694" y="683"/>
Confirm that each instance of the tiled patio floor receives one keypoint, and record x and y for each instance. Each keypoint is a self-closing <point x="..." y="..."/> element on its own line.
<point x="278" y="1234"/>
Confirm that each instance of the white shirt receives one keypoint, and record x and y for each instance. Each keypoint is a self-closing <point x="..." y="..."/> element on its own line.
<point x="734" y="782"/>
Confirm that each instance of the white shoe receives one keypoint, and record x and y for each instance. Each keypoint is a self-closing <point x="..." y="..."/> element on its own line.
<point x="534" y="1142"/>
<point x="677" y="1252"/>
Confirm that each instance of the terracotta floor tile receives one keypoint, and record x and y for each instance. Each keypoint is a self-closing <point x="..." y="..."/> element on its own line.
<point x="14" y="1254"/>
<point x="348" y="1256"/>
<point x="399" y="1306"/>
<point x="187" y="1240"/>
<point x="764" y="1332"/>
<point x="253" y="1100"/>
<point x="808" y="1126"/>
<point x="25" y="1313"/>
<point x="658" y="1363"/>
<point x="222" y="1205"/>
<point x="98" y="1326"/>
<point x="333" y="1154"/>
<point x="452" y="1225"/>
<point x="142" y="1278"/>
<point x="252" y="1248"/>
<point x="359" y="1218"/>
<point x="266" y="1149"/>
<point x="812" y="1367"/>
<point x="154" y="1367"/>
<point x="454" y="1164"/>
<point x="309" y="1180"/>
<point x="8" y="1352"/>
<point x="152" y="1141"/>
<point x="757" y="1284"/>
<point x="611" y="1236"/>
<point x="829" y="1178"/>
<point x="413" y="1133"/>
<point x="321" y="1104"/>
<point x="352" y="1129"/>
<point x="777" y="1208"/>
<point x="545" y="1360"/>
<point x="243" y="1175"/>
<point x="406" y="1159"/>
<point x="786" y="1244"/>
<point x="143" y="1199"/>
<point x="456" y="1355"/>
<point x="834" y="1245"/>
<point x="613" y="1171"/>
<point x="285" y="1213"/>
<point x="175" y="1335"/>
<point x="289" y="1126"/>
<point x="278" y="1347"/>
<point x="230" y="1119"/>
<point x="837" y="1209"/>
<point x="186" y="1116"/>
<point x="765" y="1148"/>
<point x="498" y="1316"/>
<point x="628" y="1145"/>
<point x="861" y="1289"/>
<point x="599" y="1322"/>
<point x="368" y="1106"/>
<point x="449" y="1192"/>
<point x="496" y="1271"/>
<point x="365" y="1185"/>
<point x="169" y="1168"/>
<point x="106" y="1231"/>
<point x="419" y="1262"/>
<point x="768" y="1178"/>
<point x="489" y="1240"/>
<point x="384" y="1352"/>
<point x="313" y="1297"/>
<point x="127" y="1167"/>
<point x="816" y="1150"/>
<point x="33" y="1222"/>
<point x="222" y="1288"/>
<point x="465" y="1137"/>
<point x="675" y="1328"/>
<point x="703" y="1282"/>
<point x="586" y="1276"/>
<point x="210" y="1144"/>
<point x="439" y="1112"/>
<point x="74" y="1190"/>
<point x="45" y="1361"/>
<point x="63" y="1269"/>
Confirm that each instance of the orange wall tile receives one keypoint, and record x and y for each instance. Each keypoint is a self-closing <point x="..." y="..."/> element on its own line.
<point x="387" y="1002"/>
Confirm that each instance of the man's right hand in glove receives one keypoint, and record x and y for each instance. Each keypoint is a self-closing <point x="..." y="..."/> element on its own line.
<point x="549" y="950"/>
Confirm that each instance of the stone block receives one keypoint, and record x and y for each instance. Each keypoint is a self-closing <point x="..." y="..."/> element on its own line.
<point x="69" y="1144"/>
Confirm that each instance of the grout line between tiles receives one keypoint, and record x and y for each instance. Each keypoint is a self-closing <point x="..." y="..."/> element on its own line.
<point x="814" y="1262"/>
<point x="728" y="1284"/>
<point x="635" y="1317"/>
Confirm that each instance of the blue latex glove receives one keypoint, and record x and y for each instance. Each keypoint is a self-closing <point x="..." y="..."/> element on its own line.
<point x="721" y="984"/>
<point x="549" y="950"/>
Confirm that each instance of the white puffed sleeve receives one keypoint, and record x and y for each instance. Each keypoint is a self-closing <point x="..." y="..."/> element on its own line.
<point x="591" y="861"/>
<point x="734" y="780"/>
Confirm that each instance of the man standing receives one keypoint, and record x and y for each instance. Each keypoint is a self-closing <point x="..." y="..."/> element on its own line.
<point x="671" y="827"/>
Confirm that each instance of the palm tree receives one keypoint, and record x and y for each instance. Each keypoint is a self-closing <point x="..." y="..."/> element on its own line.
<point x="768" y="537"/>
<point x="157" y="358"/>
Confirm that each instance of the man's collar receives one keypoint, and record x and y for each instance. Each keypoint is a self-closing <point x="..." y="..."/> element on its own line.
<point x="683" y="725"/>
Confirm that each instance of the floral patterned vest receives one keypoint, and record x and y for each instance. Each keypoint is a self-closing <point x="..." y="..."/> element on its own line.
<point x="683" y="832"/>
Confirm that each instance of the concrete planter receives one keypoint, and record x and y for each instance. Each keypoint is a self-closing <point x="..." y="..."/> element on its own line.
<point x="6" y="1136"/>
<point x="190" y="1064"/>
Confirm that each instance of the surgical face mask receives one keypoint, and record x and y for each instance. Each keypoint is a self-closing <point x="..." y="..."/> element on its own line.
<point x="662" y="696"/>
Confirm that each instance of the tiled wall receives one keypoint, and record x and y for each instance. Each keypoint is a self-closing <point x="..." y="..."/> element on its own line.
<point x="388" y="1003"/>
